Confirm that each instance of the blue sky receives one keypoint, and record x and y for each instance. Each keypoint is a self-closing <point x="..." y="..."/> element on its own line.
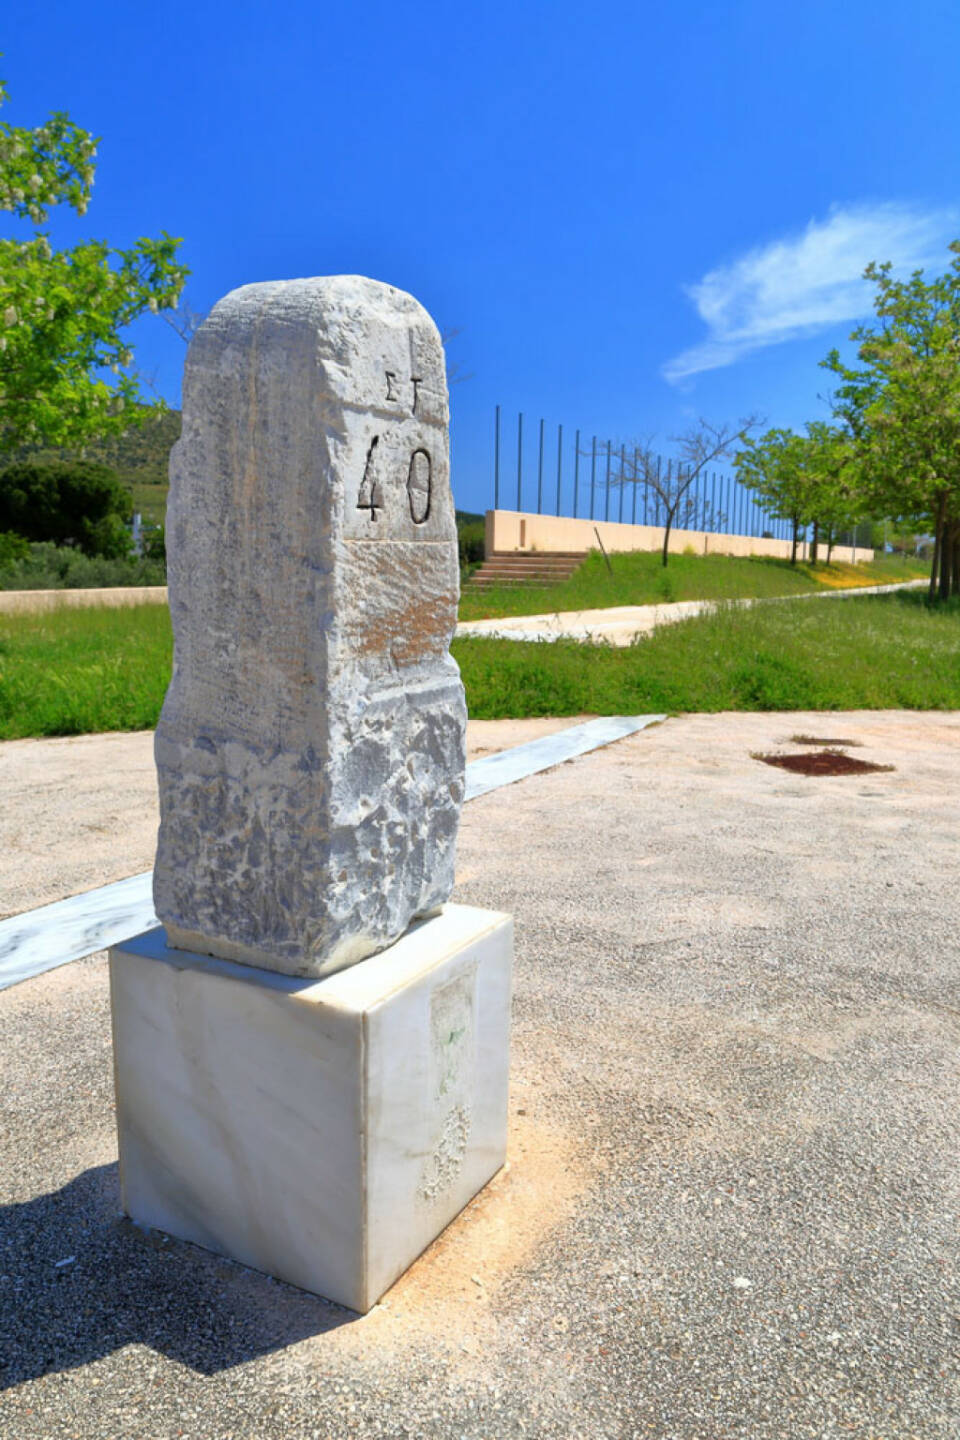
<point x="634" y="214"/>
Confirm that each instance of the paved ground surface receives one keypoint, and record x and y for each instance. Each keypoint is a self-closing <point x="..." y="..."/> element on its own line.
<point x="733" y="1201"/>
<point x="621" y="624"/>
<point x="81" y="812"/>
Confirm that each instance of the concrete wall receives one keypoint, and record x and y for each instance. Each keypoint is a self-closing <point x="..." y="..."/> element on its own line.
<point x="33" y="602"/>
<point x="512" y="530"/>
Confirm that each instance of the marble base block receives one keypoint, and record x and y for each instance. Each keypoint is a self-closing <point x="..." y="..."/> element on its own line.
<point x="322" y="1131"/>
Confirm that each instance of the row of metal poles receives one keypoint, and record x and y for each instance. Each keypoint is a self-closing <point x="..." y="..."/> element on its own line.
<point x="716" y="503"/>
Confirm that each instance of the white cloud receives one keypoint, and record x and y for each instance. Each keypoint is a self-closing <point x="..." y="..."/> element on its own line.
<point x="796" y="286"/>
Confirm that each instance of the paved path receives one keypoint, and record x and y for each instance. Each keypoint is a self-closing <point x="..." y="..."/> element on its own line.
<point x="620" y="625"/>
<point x="731" y="1208"/>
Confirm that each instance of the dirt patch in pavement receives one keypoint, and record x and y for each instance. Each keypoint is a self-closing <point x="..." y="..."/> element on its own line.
<point x="822" y="762"/>
<point x="822" y="740"/>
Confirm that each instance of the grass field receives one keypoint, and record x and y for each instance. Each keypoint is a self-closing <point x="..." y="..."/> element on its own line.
<point x="878" y="652"/>
<point x="639" y="578"/>
<point x="77" y="672"/>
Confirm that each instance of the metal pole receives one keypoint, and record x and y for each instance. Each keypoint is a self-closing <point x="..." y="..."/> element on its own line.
<point x="593" y="472"/>
<point x="496" y="461"/>
<point x="606" y="498"/>
<point x="633" y="519"/>
<point x="540" y="473"/>
<point x="576" y="472"/>
<point x="623" y="461"/>
<point x="559" y="463"/>
<point x="519" y="459"/>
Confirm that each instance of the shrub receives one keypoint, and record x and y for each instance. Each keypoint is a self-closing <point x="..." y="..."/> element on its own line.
<point x="67" y="503"/>
<point x="62" y="567"/>
<point x="470" y="534"/>
<point x="12" y="547"/>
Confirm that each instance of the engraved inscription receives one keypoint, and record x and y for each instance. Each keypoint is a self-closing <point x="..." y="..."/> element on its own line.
<point x="369" y="499"/>
<point x="419" y="480"/>
<point x="453" y="1062"/>
<point x="393" y="380"/>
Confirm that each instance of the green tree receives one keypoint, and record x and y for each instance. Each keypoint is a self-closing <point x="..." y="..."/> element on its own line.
<point x="901" y="405"/>
<point x="833" y="496"/>
<point x="804" y="479"/>
<point x="65" y="368"/>
<point x="776" y="467"/>
<point x="77" y="503"/>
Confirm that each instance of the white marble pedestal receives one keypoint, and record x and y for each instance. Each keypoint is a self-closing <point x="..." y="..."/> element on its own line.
<point x="322" y="1131"/>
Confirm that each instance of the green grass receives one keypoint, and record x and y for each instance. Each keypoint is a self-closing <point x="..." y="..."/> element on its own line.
<point x="874" y="653"/>
<point x="82" y="671"/>
<point x="77" y="672"/>
<point x="639" y="578"/>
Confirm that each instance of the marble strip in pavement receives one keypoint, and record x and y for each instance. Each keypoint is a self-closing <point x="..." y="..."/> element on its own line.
<point x="71" y="929"/>
<point x="522" y="760"/>
<point x="621" y="624"/>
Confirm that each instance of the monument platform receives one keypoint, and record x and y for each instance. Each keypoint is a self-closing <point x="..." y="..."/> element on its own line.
<point x="322" y="1131"/>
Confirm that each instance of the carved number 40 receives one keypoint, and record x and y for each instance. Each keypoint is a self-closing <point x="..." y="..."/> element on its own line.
<point x="367" y="499"/>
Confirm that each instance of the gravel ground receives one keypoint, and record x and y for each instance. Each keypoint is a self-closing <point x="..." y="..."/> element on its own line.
<point x="82" y="811"/>
<point x="731" y="1208"/>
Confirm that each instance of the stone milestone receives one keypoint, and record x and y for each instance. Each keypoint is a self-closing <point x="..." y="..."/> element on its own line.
<point x="310" y="751"/>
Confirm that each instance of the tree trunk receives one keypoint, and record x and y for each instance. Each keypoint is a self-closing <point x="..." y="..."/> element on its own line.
<point x="666" y="537"/>
<point x="829" y="542"/>
<point x="946" y="559"/>
<point x="816" y="541"/>
<point x="796" y="531"/>
<point x="948" y="556"/>
<point x="955" y="548"/>
<point x="937" y="547"/>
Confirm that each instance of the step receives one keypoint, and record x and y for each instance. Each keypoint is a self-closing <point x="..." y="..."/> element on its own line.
<point x="533" y="569"/>
<point x="549" y="576"/>
<point x="563" y="567"/>
<point x="538" y="554"/>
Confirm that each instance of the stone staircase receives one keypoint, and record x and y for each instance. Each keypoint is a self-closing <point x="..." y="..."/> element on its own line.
<point x="527" y="567"/>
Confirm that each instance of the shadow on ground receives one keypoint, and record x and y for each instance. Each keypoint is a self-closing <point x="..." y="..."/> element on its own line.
<point x="121" y="1286"/>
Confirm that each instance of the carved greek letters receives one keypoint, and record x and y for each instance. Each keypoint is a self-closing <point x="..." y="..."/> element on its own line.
<point x="393" y="380"/>
<point x="419" y="481"/>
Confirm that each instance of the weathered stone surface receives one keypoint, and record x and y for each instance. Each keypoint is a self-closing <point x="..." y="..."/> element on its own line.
<point x="310" y="752"/>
